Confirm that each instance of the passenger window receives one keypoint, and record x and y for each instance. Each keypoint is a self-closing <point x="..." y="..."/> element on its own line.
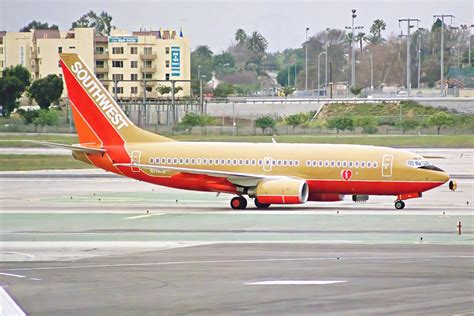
<point x="234" y="162"/>
<point x="333" y="163"/>
<point x="260" y="162"/>
<point x="362" y="164"/>
<point x="297" y="163"/>
<point x="163" y="161"/>
<point x="314" y="163"/>
<point x="241" y="162"/>
<point x="198" y="161"/>
<point x="326" y="163"/>
<point x="356" y="164"/>
<point x="351" y="164"/>
<point x="338" y="164"/>
<point x="152" y="161"/>
<point x="186" y="161"/>
<point x="253" y="162"/>
<point x="181" y="161"/>
<point x="375" y="164"/>
<point x="193" y="161"/>
<point x="308" y="163"/>
<point x="169" y="160"/>
<point x="222" y="162"/>
<point x="175" y="161"/>
<point x="344" y="164"/>
<point x="290" y="163"/>
<point x="229" y="162"/>
<point x="369" y="164"/>
<point x="204" y="161"/>
<point x="320" y="163"/>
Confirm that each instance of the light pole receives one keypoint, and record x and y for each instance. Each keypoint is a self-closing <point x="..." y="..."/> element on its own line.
<point x="200" y="90"/>
<point x="371" y="71"/>
<point x="353" y="66"/>
<point x="454" y="48"/>
<point x="306" y="61"/>
<point x="319" y="57"/>
<point x="420" y="38"/>
<point x="465" y="27"/>
<point x="409" y="26"/>
<point x="442" y="16"/>
<point x="326" y="60"/>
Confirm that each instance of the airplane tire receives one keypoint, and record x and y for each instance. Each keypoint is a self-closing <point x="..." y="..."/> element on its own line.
<point x="260" y="205"/>
<point x="399" y="205"/>
<point x="238" y="203"/>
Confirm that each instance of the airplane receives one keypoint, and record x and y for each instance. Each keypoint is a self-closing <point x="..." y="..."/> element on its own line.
<point x="270" y="173"/>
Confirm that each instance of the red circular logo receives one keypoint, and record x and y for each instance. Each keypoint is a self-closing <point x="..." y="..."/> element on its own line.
<point x="346" y="174"/>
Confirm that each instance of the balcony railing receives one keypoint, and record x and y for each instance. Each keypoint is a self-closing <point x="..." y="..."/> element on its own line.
<point x="148" y="69"/>
<point x="148" y="56"/>
<point x="101" y="69"/>
<point x="102" y="56"/>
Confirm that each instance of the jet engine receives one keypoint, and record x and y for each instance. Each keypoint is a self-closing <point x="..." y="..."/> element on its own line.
<point x="281" y="191"/>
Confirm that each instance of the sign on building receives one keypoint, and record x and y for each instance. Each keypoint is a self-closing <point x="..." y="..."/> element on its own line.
<point x="175" y="61"/>
<point x="123" y="39"/>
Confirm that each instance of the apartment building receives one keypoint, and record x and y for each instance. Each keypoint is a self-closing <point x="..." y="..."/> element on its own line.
<point x="128" y="62"/>
<point x="124" y="62"/>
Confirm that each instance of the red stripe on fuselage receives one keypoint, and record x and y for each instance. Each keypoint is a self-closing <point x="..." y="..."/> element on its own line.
<point x="369" y="187"/>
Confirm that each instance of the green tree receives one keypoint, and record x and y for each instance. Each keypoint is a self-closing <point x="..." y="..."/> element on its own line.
<point x="102" y="23"/>
<point x="164" y="89"/>
<point x="240" y="36"/>
<point x="223" y="90"/>
<point x="10" y="91"/>
<point x="46" y="90"/>
<point x="265" y="122"/>
<point x="375" y="37"/>
<point x="28" y="115"/>
<point x="356" y="90"/>
<point x="288" y="90"/>
<point x="203" y="52"/>
<point x="191" y="120"/>
<point x="223" y="60"/>
<point x="19" y="72"/>
<point x="14" y="81"/>
<point x="368" y="123"/>
<point x="37" y="25"/>
<point x="440" y="119"/>
<point x="46" y="118"/>
<point x="257" y="43"/>
<point x="341" y="123"/>
<point x="408" y="123"/>
<point x="360" y="38"/>
<point x="295" y="120"/>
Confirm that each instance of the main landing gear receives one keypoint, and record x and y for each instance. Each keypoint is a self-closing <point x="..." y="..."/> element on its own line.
<point x="399" y="205"/>
<point x="238" y="203"/>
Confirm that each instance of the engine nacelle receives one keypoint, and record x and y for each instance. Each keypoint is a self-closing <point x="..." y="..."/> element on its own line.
<point x="281" y="191"/>
<point x="325" y="197"/>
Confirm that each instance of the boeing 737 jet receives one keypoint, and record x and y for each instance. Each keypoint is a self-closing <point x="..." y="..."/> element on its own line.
<point x="269" y="173"/>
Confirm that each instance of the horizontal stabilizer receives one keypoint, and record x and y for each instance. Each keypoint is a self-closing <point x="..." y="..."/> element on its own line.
<point x="80" y="148"/>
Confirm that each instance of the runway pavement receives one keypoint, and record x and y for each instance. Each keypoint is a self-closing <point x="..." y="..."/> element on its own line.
<point x="89" y="243"/>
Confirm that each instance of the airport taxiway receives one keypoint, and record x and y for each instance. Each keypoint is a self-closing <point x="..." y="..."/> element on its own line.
<point x="87" y="242"/>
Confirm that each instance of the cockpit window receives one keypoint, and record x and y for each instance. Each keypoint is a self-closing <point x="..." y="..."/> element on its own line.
<point x="417" y="163"/>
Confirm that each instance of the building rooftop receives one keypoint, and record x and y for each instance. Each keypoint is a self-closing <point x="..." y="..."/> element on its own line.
<point x="39" y="34"/>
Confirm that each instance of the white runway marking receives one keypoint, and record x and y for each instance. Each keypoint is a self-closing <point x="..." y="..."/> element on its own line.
<point x="13" y="275"/>
<point x="142" y="216"/>
<point x="8" y="305"/>
<point x="150" y="264"/>
<point x="294" y="282"/>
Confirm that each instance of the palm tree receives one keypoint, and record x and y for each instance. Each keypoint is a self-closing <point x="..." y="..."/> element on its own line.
<point x="376" y="29"/>
<point x="359" y="38"/>
<point x="257" y="43"/>
<point x="203" y="52"/>
<point x="241" y="36"/>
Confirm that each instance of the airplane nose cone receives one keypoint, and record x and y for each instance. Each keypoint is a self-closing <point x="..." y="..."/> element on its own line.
<point x="444" y="177"/>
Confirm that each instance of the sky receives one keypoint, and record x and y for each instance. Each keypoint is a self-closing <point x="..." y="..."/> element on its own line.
<point x="213" y="23"/>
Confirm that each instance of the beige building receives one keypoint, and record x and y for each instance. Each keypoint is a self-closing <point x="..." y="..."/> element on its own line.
<point x="128" y="61"/>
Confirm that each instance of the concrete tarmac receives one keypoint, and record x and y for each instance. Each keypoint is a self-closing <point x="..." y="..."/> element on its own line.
<point x="89" y="243"/>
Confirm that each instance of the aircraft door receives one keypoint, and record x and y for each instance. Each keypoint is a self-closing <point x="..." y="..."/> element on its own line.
<point x="136" y="154"/>
<point x="387" y="165"/>
<point x="267" y="164"/>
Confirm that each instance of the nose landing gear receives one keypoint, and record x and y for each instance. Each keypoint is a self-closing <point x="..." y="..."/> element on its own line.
<point x="399" y="205"/>
<point x="238" y="203"/>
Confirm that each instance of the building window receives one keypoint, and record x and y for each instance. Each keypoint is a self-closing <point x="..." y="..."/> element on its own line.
<point x="38" y="50"/>
<point x="167" y="50"/>
<point x="117" y="63"/>
<point x="1" y="50"/>
<point x="99" y="50"/>
<point x="117" y="77"/>
<point x="134" y="90"/>
<point x="59" y="63"/>
<point x="134" y="64"/>
<point x="134" y="77"/>
<point x="99" y="64"/>
<point x="133" y="50"/>
<point x="119" y="90"/>
<point x="149" y="89"/>
<point x="100" y="76"/>
<point x="72" y="47"/>
<point x="117" y="50"/>
<point x="147" y="51"/>
<point x="147" y="76"/>
<point x="167" y="64"/>
<point x="60" y="49"/>
<point x="148" y="64"/>
<point x="167" y="76"/>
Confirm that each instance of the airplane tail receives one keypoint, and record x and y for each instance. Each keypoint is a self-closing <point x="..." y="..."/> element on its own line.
<point x="98" y="118"/>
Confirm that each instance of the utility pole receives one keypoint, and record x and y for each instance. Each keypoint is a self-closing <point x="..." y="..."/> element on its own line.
<point x="353" y="54"/>
<point x="419" y="59"/>
<point x="442" y="16"/>
<point x="319" y="58"/>
<point x="468" y="27"/>
<point x="326" y="61"/>
<point x="409" y="26"/>
<point x="306" y="61"/>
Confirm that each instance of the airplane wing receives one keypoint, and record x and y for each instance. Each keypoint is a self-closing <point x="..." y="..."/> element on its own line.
<point x="80" y="148"/>
<point x="244" y="179"/>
